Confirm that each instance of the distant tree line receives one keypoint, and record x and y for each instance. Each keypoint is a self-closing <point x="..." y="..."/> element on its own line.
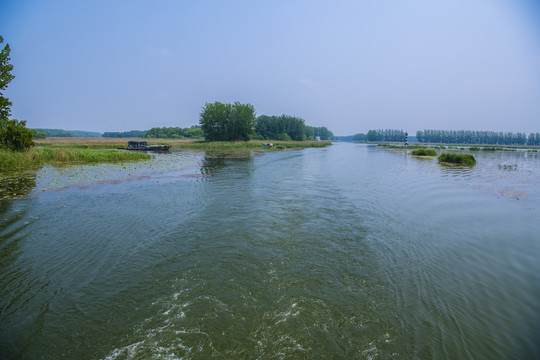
<point x="66" y="133"/>
<point x="477" y="137"/>
<point x="124" y="134"/>
<point x="287" y="128"/>
<point x="394" y="135"/>
<point x="38" y="134"/>
<point x="194" y="132"/>
<point x="350" y="138"/>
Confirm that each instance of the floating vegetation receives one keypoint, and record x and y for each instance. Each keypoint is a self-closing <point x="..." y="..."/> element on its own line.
<point x="509" y="167"/>
<point x="424" y="152"/>
<point x="16" y="185"/>
<point x="461" y="159"/>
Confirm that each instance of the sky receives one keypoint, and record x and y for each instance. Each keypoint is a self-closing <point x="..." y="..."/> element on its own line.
<point x="351" y="65"/>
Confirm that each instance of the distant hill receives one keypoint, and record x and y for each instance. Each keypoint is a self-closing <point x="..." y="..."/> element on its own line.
<point x="69" y="133"/>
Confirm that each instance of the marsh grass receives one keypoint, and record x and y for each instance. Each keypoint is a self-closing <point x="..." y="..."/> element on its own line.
<point x="424" y="152"/>
<point x="114" y="143"/>
<point x="35" y="157"/>
<point x="461" y="159"/>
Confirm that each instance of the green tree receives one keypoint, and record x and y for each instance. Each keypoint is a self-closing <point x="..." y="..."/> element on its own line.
<point x="15" y="136"/>
<point x="227" y="122"/>
<point x="13" y="133"/>
<point x="5" y="79"/>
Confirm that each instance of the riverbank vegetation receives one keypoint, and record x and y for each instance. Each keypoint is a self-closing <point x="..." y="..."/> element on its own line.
<point x="461" y="159"/>
<point x="424" y="152"/>
<point x="177" y="144"/>
<point x="10" y="160"/>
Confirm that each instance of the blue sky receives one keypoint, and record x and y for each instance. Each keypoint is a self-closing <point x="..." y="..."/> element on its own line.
<point x="348" y="65"/>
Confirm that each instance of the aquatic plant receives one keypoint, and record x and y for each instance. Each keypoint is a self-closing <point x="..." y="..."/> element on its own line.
<point x="461" y="159"/>
<point x="39" y="156"/>
<point x="424" y="152"/>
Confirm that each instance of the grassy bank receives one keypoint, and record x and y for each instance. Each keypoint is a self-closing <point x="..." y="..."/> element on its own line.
<point x="461" y="159"/>
<point x="113" y="143"/>
<point x="34" y="157"/>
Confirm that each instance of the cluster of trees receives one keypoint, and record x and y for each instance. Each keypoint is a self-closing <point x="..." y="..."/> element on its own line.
<point x="287" y="128"/>
<point x="284" y="127"/>
<point x="194" y="132"/>
<point x="322" y="132"/>
<point x="13" y="133"/>
<point x="227" y="122"/>
<point x="477" y="137"/>
<point x="387" y="135"/>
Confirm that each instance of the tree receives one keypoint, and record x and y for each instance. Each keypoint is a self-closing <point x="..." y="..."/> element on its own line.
<point x="15" y="136"/>
<point x="5" y="79"/>
<point x="13" y="133"/>
<point x="227" y="122"/>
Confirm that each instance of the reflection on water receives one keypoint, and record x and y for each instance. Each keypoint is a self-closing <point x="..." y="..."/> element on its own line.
<point x="344" y="252"/>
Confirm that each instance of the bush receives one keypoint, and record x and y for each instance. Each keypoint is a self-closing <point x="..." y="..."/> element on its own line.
<point x="462" y="159"/>
<point x="15" y="136"/>
<point x="424" y="152"/>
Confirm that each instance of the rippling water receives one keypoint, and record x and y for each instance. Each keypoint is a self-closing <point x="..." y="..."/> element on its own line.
<point x="351" y="251"/>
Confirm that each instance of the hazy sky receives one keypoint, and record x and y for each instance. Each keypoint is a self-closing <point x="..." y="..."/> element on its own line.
<point x="348" y="65"/>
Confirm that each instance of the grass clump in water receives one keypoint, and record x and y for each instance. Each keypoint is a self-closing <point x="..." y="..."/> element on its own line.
<point x="461" y="159"/>
<point x="34" y="157"/>
<point x="424" y="152"/>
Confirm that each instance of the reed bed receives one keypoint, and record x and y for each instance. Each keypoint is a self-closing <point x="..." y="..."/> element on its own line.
<point x="424" y="152"/>
<point x="461" y="159"/>
<point x="10" y="160"/>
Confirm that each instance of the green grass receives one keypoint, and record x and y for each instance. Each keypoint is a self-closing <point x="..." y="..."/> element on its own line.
<point x="461" y="159"/>
<point x="424" y="152"/>
<point x="10" y="160"/>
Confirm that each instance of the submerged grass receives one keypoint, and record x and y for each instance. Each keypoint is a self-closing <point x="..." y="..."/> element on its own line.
<point x="461" y="159"/>
<point x="424" y="152"/>
<point x="34" y="157"/>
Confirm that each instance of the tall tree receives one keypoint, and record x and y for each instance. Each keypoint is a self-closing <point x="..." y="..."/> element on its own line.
<point x="13" y="133"/>
<point x="5" y="79"/>
<point x="227" y="122"/>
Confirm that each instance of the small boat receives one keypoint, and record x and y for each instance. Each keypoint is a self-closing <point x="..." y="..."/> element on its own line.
<point x="143" y="146"/>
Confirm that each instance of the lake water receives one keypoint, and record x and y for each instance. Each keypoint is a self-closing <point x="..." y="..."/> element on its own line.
<point x="346" y="252"/>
